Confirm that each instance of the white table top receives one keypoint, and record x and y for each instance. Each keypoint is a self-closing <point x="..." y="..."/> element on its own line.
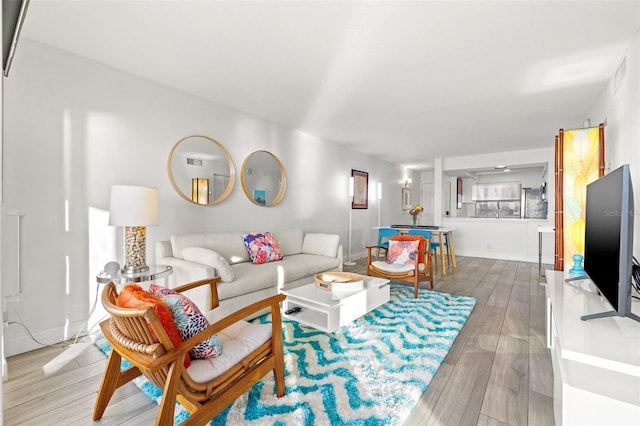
<point x="440" y="229"/>
<point x="546" y="229"/>
<point x="313" y="294"/>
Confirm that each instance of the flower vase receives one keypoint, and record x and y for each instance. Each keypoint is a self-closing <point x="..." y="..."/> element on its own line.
<point x="414" y="219"/>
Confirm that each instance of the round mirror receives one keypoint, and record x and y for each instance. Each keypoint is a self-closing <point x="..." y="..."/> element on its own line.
<point x="263" y="178"/>
<point x="201" y="170"/>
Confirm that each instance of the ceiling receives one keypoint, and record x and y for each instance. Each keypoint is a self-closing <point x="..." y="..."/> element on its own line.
<point x="404" y="81"/>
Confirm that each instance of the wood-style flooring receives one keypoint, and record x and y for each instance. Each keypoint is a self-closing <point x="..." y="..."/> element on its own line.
<point x="498" y="371"/>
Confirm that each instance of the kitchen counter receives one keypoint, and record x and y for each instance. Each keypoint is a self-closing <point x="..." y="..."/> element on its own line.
<point x="509" y="239"/>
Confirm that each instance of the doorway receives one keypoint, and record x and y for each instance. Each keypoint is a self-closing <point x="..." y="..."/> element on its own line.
<point x="426" y="200"/>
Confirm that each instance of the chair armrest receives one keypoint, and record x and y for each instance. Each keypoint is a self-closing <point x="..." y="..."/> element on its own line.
<point x="377" y="255"/>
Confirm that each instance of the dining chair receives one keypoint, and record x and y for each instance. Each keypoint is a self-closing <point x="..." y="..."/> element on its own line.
<point x="384" y="234"/>
<point x="434" y="246"/>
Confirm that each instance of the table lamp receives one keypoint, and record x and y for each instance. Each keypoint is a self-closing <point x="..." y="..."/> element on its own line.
<point x="134" y="208"/>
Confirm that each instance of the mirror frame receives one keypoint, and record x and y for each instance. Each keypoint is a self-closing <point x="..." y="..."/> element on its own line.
<point x="232" y="172"/>
<point x="283" y="180"/>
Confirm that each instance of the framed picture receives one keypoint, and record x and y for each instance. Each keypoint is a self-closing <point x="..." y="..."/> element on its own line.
<point x="360" y="189"/>
<point x="260" y="196"/>
<point x="406" y="198"/>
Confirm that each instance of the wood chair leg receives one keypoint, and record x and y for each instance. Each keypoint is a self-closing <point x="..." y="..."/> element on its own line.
<point x="430" y="267"/>
<point x="435" y="255"/>
<point x="169" y="393"/>
<point x="108" y="384"/>
<point x="278" y="351"/>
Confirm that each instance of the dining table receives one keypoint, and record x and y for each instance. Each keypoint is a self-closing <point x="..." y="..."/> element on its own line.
<point x="442" y="233"/>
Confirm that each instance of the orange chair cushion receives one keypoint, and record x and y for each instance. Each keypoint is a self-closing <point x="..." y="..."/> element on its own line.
<point x="135" y="297"/>
<point x="413" y="238"/>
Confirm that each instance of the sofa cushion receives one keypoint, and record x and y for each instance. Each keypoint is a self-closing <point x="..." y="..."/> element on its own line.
<point x="228" y="244"/>
<point x="321" y="244"/>
<point x="211" y="258"/>
<point x="250" y="277"/>
<point x="262" y="248"/>
<point x="189" y="320"/>
<point x="289" y="241"/>
<point x="238" y="341"/>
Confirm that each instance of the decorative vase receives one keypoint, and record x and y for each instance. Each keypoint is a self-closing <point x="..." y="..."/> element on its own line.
<point x="414" y="219"/>
<point x="577" y="268"/>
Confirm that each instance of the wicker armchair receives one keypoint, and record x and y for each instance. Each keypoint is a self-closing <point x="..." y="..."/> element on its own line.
<point x="132" y="335"/>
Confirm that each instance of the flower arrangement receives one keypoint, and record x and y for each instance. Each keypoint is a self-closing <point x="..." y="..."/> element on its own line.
<point x="415" y="211"/>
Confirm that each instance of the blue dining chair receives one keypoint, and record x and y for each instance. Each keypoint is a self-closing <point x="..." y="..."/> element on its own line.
<point x="434" y="246"/>
<point x="385" y="234"/>
<point x="427" y="235"/>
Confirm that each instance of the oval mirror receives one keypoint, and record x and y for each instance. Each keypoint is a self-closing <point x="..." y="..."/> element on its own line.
<point x="263" y="178"/>
<point x="201" y="170"/>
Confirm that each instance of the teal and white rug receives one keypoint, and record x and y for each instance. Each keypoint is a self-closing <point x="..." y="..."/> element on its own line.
<point x="370" y="372"/>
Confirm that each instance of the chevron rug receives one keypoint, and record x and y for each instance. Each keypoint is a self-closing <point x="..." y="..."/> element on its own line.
<point x="370" y="372"/>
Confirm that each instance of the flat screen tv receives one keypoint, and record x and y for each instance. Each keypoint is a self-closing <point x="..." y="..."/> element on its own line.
<point x="608" y="245"/>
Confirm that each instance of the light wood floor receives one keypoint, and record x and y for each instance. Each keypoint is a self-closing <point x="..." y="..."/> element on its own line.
<point x="498" y="371"/>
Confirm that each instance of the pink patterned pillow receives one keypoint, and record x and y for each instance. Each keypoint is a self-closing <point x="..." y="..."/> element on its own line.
<point x="403" y="252"/>
<point x="262" y="248"/>
<point x="189" y="321"/>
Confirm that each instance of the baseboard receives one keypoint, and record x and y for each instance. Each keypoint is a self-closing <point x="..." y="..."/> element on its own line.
<point x="24" y="343"/>
<point x="497" y="256"/>
<point x="482" y="254"/>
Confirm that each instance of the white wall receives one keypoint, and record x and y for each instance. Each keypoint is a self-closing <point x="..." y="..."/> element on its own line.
<point x="74" y="127"/>
<point x="620" y="110"/>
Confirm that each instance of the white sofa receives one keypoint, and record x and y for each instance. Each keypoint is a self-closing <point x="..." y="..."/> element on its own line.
<point x="196" y="256"/>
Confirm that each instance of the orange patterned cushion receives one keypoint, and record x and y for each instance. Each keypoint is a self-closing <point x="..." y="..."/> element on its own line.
<point x="134" y="296"/>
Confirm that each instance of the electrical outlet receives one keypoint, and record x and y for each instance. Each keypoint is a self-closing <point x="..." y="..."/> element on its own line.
<point x="364" y="245"/>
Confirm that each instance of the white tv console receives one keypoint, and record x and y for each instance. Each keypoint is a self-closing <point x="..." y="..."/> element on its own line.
<point x="596" y="363"/>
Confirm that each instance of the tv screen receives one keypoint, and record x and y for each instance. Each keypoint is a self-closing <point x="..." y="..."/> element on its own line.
<point x="608" y="246"/>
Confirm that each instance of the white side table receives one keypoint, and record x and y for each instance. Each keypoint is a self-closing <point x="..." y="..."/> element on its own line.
<point x="542" y="230"/>
<point x="154" y="273"/>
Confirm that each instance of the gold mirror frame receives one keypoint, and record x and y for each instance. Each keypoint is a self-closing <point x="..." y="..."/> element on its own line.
<point x="200" y="184"/>
<point x="260" y="193"/>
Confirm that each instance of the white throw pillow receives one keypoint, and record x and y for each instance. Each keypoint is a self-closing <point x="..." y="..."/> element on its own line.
<point x="211" y="258"/>
<point x="321" y="244"/>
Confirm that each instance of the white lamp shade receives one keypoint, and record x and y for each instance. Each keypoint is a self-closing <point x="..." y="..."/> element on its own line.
<point x="133" y="206"/>
<point x="379" y="190"/>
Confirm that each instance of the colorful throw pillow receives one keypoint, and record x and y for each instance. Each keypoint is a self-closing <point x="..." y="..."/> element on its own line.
<point x="402" y="252"/>
<point x="421" y="244"/>
<point x="189" y="321"/>
<point x="262" y="248"/>
<point x="134" y="296"/>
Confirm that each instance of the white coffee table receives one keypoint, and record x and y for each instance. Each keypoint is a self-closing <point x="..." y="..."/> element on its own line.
<point x="327" y="311"/>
